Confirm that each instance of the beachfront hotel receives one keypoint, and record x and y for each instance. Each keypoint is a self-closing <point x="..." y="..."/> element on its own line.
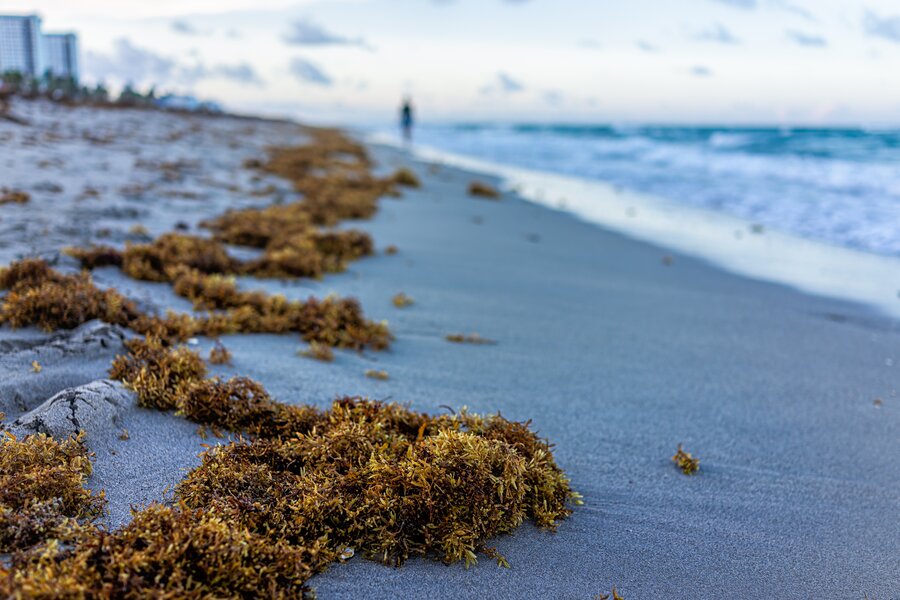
<point x="26" y="49"/>
<point x="61" y="54"/>
<point x="21" y="48"/>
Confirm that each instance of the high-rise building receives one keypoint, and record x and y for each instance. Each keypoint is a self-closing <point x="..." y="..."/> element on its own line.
<point x="61" y="54"/>
<point x="21" y="45"/>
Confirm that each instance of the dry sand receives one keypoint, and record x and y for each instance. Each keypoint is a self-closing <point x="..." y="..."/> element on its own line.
<point x="615" y="355"/>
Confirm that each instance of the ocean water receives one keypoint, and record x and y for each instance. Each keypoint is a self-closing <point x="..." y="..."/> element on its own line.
<point x="840" y="186"/>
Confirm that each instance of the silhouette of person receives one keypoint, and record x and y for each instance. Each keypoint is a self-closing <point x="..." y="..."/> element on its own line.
<point x="406" y="119"/>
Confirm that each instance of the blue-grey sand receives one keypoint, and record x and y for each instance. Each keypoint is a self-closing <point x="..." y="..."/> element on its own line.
<point x="616" y="350"/>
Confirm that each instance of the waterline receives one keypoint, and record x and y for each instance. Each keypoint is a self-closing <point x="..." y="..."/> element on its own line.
<point x="732" y="243"/>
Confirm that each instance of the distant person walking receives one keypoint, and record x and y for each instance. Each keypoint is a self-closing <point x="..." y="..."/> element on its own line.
<point x="406" y="119"/>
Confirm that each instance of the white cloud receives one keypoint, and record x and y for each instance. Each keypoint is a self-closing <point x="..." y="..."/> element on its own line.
<point x="503" y="84"/>
<point x="306" y="33"/>
<point x="309" y="72"/>
<point x="241" y="72"/>
<point x="553" y="97"/>
<point x="807" y="39"/>
<point x="184" y="27"/>
<point x="792" y="8"/>
<point x="887" y="28"/>
<point x="718" y="33"/>
<point x="128" y="63"/>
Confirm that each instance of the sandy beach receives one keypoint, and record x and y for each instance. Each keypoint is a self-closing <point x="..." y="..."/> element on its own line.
<point x="615" y="349"/>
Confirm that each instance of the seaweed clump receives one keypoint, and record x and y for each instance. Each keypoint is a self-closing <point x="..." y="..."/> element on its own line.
<point x="96" y="256"/>
<point x="159" y="374"/>
<point x="333" y="174"/>
<point x="174" y="378"/>
<point x="685" y="461"/>
<point x="368" y="475"/>
<point x="483" y="190"/>
<point x="385" y="481"/>
<point x="42" y="493"/>
<point x="156" y="260"/>
<point x="219" y="355"/>
<point x="365" y="474"/>
<point x="39" y="295"/>
<point x="401" y="300"/>
<point x="165" y="552"/>
<point x="406" y="178"/>
<point x="8" y="196"/>
<point x="319" y="352"/>
<point x="262" y="514"/>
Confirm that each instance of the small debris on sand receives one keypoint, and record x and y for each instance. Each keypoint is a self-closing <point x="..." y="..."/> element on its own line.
<point x="401" y="300"/>
<point x="684" y="461"/>
<point x="406" y="178"/>
<point x="319" y="352"/>
<point x="8" y="196"/>
<point x="472" y="338"/>
<point x="483" y="190"/>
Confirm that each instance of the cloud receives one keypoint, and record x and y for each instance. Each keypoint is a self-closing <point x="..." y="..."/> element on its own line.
<point x="701" y="71"/>
<point x="307" y="33"/>
<point x="553" y="97"/>
<point x="887" y="28"/>
<point x="508" y="84"/>
<point x="590" y="44"/>
<point x="646" y="46"/>
<point x="128" y="63"/>
<point x="308" y="72"/>
<point x="807" y="39"/>
<point x="503" y="84"/>
<point x="745" y="4"/>
<point x="785" y="5"/>
<point x="184" y="27"/>
<point x="241" y="73"/>
<point x="796" y="9"/>
<point x="718" y="33"/>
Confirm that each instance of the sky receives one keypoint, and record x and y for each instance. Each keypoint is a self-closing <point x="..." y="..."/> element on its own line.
<point x="782" y="62"/>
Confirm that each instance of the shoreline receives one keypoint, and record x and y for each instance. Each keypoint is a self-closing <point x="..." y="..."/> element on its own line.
<point x="617" y="358"/>
<point x="732" y="243"/>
